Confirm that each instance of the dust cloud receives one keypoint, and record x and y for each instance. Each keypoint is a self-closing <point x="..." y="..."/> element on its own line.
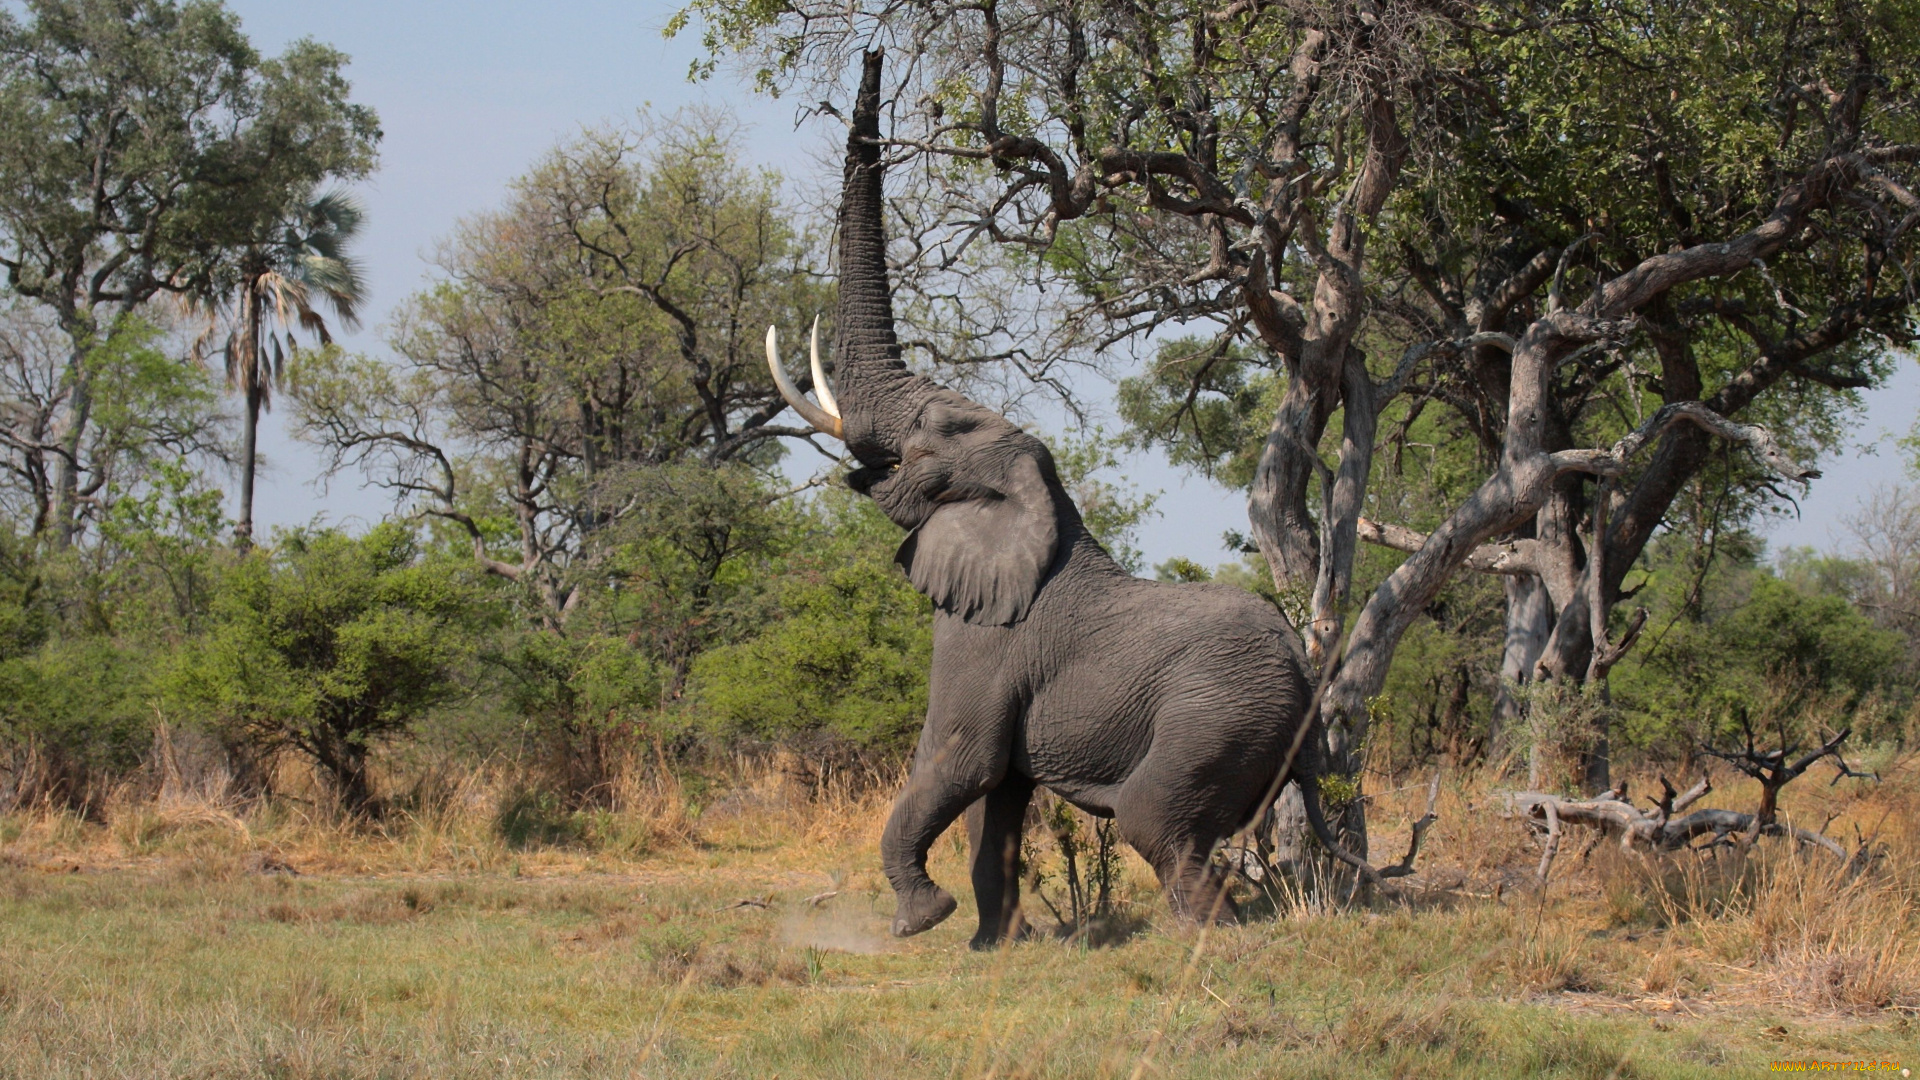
<point x="841" y="924"/>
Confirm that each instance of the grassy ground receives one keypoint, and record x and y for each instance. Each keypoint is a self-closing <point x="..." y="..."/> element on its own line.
<point x="169" y="942"/>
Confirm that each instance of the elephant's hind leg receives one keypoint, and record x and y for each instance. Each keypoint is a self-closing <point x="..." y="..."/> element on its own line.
<point x="1172" y="810"/>
<point x="1195" y="890"/>
<point x="994" y="826"/>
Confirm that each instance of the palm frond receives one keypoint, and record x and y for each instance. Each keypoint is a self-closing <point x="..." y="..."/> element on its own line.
<point x="336" y="214"/>
<point x="340" y="280"/>
<point x="230" y="352"/>
<point x="304" y="262"/>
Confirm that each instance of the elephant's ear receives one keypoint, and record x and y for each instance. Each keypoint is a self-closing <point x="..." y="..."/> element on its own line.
<point x="983" y="554"/>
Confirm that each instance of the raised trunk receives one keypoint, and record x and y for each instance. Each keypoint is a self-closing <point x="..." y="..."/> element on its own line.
<point x="868" y="371"/>
<point x="864" y="341"/>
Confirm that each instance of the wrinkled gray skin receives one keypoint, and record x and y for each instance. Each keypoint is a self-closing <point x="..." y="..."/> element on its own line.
<point x="1169" y="708"/>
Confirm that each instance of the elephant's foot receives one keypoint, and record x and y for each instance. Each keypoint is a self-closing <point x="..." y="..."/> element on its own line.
<point x="921" y="910"/>
<point x="1204" y="900"/>
<point x="987" y="940"/>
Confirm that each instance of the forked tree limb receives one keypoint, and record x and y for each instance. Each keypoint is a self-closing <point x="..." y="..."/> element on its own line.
<point x="1404" y="867"/>
<point x="1604" y="660"/>
<point x="1513" y="557"/>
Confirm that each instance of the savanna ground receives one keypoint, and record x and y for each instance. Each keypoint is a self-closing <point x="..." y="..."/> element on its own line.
<point x="485" y="934"/>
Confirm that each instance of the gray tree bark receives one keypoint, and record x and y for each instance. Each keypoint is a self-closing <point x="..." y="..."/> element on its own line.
<point x="1529" y="624"/>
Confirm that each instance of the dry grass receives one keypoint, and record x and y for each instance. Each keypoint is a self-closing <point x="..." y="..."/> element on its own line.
<point x="481" y="931"/>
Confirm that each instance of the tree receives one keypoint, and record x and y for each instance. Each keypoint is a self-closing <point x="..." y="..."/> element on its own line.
<point x="1886" y="533"/>
<point x="146" y="410"/>
<point x="282" y="280"/>
<point x="605" y="324"/>
<point x="141" y="141"/>
<point x="1508" y="210"/>
<point x="329" y="645"/>
<point x="843" y="654"/>
<point x="687" y="556"/>
<point x="1752" y="645"/>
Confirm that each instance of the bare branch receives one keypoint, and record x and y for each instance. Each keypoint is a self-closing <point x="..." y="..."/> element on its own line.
<point x="1507" y="557"/>
<point x="1410" y="359"/>
<point x="1404" y="867"/>
<point x="1613" y="461"/>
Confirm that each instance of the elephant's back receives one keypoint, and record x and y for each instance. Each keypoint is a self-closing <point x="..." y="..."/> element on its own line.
<point x="1212" y="626"/>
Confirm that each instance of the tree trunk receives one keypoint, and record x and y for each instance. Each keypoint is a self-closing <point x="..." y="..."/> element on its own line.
<point x="1283" y="528"/>
<point x="1529" y="624"/>
<point x="79" y="412"/>
<point x="249" y="433"/>
<point x="1287" y="463"/>
<point x="248" y="371"/>
<point x="1330" y="373"/>
<point x="356" y="792"/>
<point x="344" y="761"/>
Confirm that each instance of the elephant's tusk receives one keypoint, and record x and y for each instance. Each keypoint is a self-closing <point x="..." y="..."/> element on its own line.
<point x="822" y="389"/>
<point x="811" y="413"/>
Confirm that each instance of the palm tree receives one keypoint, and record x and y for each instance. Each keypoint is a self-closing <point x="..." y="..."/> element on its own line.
<point x="282" y="281"/>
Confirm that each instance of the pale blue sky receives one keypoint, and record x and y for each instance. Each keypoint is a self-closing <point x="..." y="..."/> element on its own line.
<point x="471" y="93"/>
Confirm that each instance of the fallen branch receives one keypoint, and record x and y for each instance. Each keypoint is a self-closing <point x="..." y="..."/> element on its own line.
<point x="1656" y="830"/>
<point x="1671" y="804"/>
<point x="1724" y="824"/>
<point x="1611" y="814"/>
<point x="1551" y="811"/>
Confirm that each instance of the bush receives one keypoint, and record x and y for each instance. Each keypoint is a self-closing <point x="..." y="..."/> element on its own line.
<point x="73" y="714"/>
<point x="582" y="698"/>
<point x="330" y="643"/>
<point x="843" y="654"/>
<point x="1767" y="649"/>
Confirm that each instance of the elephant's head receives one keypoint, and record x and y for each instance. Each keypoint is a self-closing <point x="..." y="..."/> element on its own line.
<point x="978" y="496"/>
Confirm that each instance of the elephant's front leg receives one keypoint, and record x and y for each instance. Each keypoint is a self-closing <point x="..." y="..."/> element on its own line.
<point x="956" y="763"/>
<point x="994" y="827"/>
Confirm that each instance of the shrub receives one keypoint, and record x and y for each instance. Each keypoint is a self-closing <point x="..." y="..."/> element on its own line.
<point x="582" y="697"/>
<point x="328" y="644"/>
<point x="843" y="654"/>
<point x="72" y="714"/>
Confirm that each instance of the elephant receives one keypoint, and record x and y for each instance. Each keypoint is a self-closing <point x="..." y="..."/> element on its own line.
<point x="1178" y="710"/>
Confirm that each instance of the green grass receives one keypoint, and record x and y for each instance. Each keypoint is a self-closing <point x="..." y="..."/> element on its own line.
<point x="476" y="941"/>
<point x="196" y="968"/>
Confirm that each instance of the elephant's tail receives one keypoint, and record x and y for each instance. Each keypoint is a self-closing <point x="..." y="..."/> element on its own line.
<point x="1310" y="799"/>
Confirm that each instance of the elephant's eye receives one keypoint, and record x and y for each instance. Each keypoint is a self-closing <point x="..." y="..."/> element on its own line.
<point x="895" y="467"/>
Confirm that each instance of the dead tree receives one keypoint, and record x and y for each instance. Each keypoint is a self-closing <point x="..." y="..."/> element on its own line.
<point x="1773" y="771"/>
<point x="1611" y="813"/>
